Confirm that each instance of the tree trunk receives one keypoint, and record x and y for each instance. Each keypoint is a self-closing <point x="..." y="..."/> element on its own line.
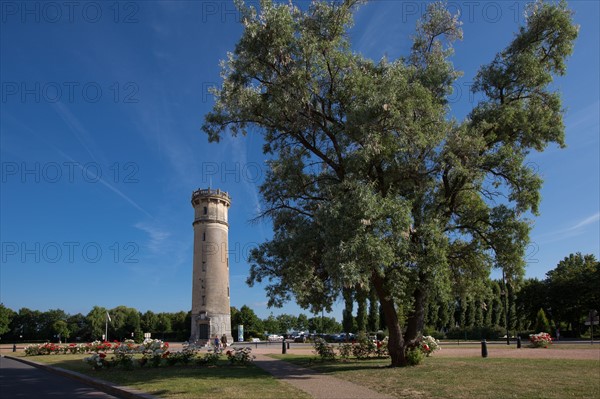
<point x="396" y="345"/>
<point x="414" y="326"/>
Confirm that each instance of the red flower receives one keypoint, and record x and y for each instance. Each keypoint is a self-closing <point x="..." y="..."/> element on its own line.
<point x="102" y="355"/>
<point x="166" y="344"/>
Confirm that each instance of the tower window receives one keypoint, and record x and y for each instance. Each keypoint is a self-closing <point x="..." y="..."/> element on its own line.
<point x="227" y="290"/>
<point x="203" y="266"/>
<point x="203" y="236"/>
<point x="205" y="210"/>
<point x="203" y="300"/>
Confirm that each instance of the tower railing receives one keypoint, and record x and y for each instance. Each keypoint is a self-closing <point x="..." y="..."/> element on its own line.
<point x="206" y="192"/>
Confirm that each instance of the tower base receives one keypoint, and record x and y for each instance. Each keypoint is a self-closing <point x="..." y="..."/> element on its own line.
<point x="206" y="327"/>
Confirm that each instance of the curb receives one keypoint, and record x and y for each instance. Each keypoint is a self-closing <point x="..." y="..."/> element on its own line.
<point x="104" y="386"/>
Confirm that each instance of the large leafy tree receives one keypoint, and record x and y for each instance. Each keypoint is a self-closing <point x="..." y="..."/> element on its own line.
<point x="95" y="322"/>
<point x="573" y="289"/>
<point x="27" y="323"/>
<point x="532" y="297"/>
<point x="6" y="316"/>
<point x="371" y="183"/>
<point x="246" y="317"/>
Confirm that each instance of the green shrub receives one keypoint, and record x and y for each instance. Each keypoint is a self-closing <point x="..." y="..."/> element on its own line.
<point x="209" y="359"/>
<point x="240" y="356"/>
<point x="541" y="322"/>
<point x="364" y="348"/>
<point x="323" y="349"/>
<point x="414" y="356"/>
<point x="345" y="350"/>
<point x="431" y="331"/>
<point x="488" y="332"/>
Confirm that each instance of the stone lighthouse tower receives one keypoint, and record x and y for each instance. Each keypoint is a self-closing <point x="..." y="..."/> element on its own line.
<point x="210" y="289"/>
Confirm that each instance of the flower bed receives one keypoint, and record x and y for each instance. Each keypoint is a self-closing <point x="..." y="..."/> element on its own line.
<point x="541" y="340"/>
<point x="429" y="345"/>
<point x="152" y="352"/>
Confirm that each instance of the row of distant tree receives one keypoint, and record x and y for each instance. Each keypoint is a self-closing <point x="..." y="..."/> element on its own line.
<point x="125" y="322"/>
<point x="565" y="296"/>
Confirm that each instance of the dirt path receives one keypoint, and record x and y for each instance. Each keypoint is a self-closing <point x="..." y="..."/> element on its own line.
<point x="499" y="351"/>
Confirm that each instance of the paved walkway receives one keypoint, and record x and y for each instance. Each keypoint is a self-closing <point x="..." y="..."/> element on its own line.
<point x="317" y="385"/>
<point x="19" y="380"/>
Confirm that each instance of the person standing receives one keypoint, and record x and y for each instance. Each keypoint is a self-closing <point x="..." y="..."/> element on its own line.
<point x="217" y="343"/>
<point x="224" y="341"/>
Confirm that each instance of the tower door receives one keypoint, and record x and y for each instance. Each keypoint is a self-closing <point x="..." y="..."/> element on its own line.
<point x="203" y="331"/>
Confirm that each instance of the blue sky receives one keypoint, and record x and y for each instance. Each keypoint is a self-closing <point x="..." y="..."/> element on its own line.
<point x="101" y="147"/>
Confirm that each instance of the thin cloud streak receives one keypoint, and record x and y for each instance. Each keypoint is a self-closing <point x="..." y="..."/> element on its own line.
<point x="107" y="185"/>
<point x="80" y="132"/>
<point x="571" y="231"/>
<point x="158" y="237"/>
<point x="592" y="219"/>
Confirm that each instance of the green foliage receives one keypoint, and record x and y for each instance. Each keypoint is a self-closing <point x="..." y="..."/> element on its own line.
<point x="541" y="322"/>
<point x="370" y="183"/>
<point x="532" y="296"/>
<point x="325" y="325"/>
<point x="573" y="288"/>
<point x="246" y="317"/>
<point x="323" y="349"/>
<point x="373" y="318"/>
<point x="347" y="318"/>
<point x="6" y="315"/>
<point x="361" y="312"/>
<point x="302" y="322"/>
<point x="428" y="330"/>
<point x="60" y="329"/>
<point x="240" y="356"/>
<point x="149" y="322"/>
<point x="414" y="356"/>
<point x="271" y="324"/>
<point x="95" y="321"/>
<point x="345" y="350"/>
<point x="488" y="332"/>
<point x="364" y="347"/>
<point x="287" y="322"/>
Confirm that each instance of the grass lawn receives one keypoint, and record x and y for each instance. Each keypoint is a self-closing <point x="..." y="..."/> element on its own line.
<point x="439" y="377"/>
<point x="185" y="382"/>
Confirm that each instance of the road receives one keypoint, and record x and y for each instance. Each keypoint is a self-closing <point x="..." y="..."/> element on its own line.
<point x="19" y="380"/>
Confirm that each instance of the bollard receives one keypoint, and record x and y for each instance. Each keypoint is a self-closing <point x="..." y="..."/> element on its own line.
<point x="283" y="348"/>
<point x="518" y="342"/>
<point x="14" y="347"/>
<point x="484" y="351"/>
<point x="288" y="345"/>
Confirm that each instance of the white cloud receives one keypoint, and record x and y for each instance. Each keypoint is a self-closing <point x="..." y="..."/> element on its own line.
<point x="589" y="220"/>
<point x="158" y="242"/>
<point x="574" y="230"/>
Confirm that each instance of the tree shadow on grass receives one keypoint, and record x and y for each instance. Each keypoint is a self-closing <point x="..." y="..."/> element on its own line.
<point x="223" y="380"/>
<point x="330" y="367"/>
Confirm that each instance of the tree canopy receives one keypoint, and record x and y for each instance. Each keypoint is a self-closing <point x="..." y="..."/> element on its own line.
<point x="371" y="183"/>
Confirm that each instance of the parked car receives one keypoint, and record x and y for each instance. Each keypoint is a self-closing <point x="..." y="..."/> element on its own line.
<point x="343" y="337"/>
<point x="275" y="337"/>
<point x="300" y="338"/>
